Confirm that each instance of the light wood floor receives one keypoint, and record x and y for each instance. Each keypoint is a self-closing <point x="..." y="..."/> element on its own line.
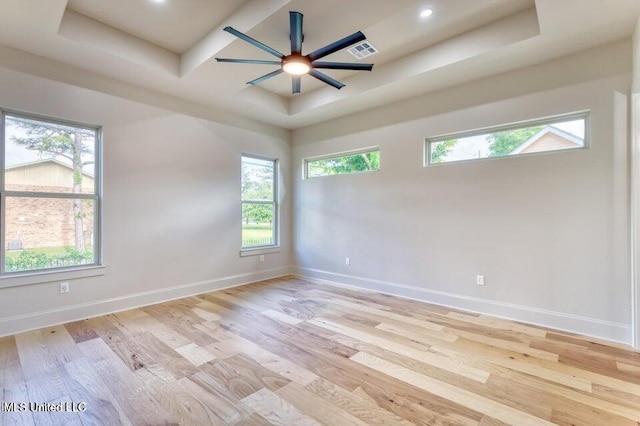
<point x="294" y="353"/>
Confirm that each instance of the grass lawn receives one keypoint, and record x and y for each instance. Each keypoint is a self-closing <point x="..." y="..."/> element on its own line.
<point x="256" y="234"/>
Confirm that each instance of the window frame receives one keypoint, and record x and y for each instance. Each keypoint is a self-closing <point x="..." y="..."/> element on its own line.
<point x="350" y="153"/>
<point x="32" y="276"/>
<point x="550" y="120"/>
<point x="268" y="248"/>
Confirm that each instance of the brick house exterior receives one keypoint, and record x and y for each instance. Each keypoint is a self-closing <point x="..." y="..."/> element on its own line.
<point x="26" y="229"/>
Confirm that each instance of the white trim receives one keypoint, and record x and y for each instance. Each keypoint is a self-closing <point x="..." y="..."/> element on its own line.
<point x="607" y="330"/>
<point x="256" y="251"/>
<point x="635" y="220"/>
<point x="50" y="275"/>
<point x="50" y="317"/>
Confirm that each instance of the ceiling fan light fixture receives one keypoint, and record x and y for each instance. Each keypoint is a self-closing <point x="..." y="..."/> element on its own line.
<point x="424" y="13"/>
<point x="296" y="65"/>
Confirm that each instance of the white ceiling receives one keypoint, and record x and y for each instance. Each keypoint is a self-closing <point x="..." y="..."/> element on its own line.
<point x="169" y="47"/>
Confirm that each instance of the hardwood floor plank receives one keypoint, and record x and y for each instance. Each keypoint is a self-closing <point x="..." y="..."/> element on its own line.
<point x="226" y="406"/>
<point x="509" y="345"/>
<point x="241" y="376"/>
<point x="281" y="317"/>
<point x="253" y="420"/>
<point x="185" y="401"/>
<point x="13" y="387"/>
<point x="423" y="355"/>
<point x="88" y="387"/>
<point x="81" y="331"/>
<point x="417" y="406"/>
<point x="127" y="389"/>
<point x="476" y="402"/>
<point x="364" y="409"/>
<point x="195" y="354"/>
<point x="316" y="407"/>
<point x="276" y="410"/>
<point x="233" y="344"/>
<point x="380" y="311"/>
<point x="628" y="368"/>
<point x="41" y="371"/>
<point x="530" y="366"/>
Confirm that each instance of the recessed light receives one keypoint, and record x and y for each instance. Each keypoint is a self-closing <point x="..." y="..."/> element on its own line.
<point x="158" y="1"/>
<point x="425" y="12"/>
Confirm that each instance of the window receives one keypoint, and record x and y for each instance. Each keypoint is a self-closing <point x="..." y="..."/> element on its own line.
<point x="50" y="200"/>
<point x="558" y="133"/>
<point x="348" y="162"/>
<point x="259" y="202"/>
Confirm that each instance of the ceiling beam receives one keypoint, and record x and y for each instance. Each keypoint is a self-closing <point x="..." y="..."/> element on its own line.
<point x="95" y="34"/>
<point x="244" y="19"/>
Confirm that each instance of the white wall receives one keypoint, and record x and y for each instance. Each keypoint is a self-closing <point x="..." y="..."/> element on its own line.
<point x="550" y="232"/>
<point x="171" y="204"/>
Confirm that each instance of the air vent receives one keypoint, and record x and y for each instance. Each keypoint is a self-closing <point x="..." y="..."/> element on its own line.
<point x="362" y="50"/>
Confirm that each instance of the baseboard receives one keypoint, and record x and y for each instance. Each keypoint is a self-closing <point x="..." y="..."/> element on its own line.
<point x="606" y="330"/>
<point x="32" y="321"/>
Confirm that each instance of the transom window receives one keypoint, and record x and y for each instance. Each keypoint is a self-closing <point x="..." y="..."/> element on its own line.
<point x="559" y="133"/>
<point x="365" y="160"/>
<point x="50" y="199"/>
<point x="259" y="202"/>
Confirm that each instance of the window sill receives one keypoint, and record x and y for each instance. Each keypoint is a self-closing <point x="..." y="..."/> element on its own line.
<point x="259" y="250"/>
<point x="30" y="278"/>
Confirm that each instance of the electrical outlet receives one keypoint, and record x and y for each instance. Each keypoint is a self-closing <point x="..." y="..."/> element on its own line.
<point x="347" y="261"/>
<point x="262" y="258"/>
<point x="479" y="279"/>
<point x="64" y="288"/>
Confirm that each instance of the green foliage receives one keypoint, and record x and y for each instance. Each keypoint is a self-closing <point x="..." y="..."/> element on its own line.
<point x="257" y="213"/>
<point x="503" y="143"/>
<point x="41" y="259"/>
<point x="348" y="164"/>
<point x="440" y="150"/>
<point x="77" y="176"/>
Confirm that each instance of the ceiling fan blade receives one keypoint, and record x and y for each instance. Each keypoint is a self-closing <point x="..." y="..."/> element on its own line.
<point x="249" y="61"/>
<point x="296" y="84"/>
<point x="323" y="77"/>
<point x="254" y="42"/>
<point x="295" y="20"/>
<point x="342" y="66"/>
<point x="335" y="46"/>
<point x="264" y="77"/>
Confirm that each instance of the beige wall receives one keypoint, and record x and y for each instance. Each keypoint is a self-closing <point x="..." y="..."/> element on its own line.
<point x="171" y="211"/>
<point x="549" y="232"/>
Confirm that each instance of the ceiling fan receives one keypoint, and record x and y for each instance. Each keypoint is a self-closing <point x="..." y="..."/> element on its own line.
<point x="298" y="64"/>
